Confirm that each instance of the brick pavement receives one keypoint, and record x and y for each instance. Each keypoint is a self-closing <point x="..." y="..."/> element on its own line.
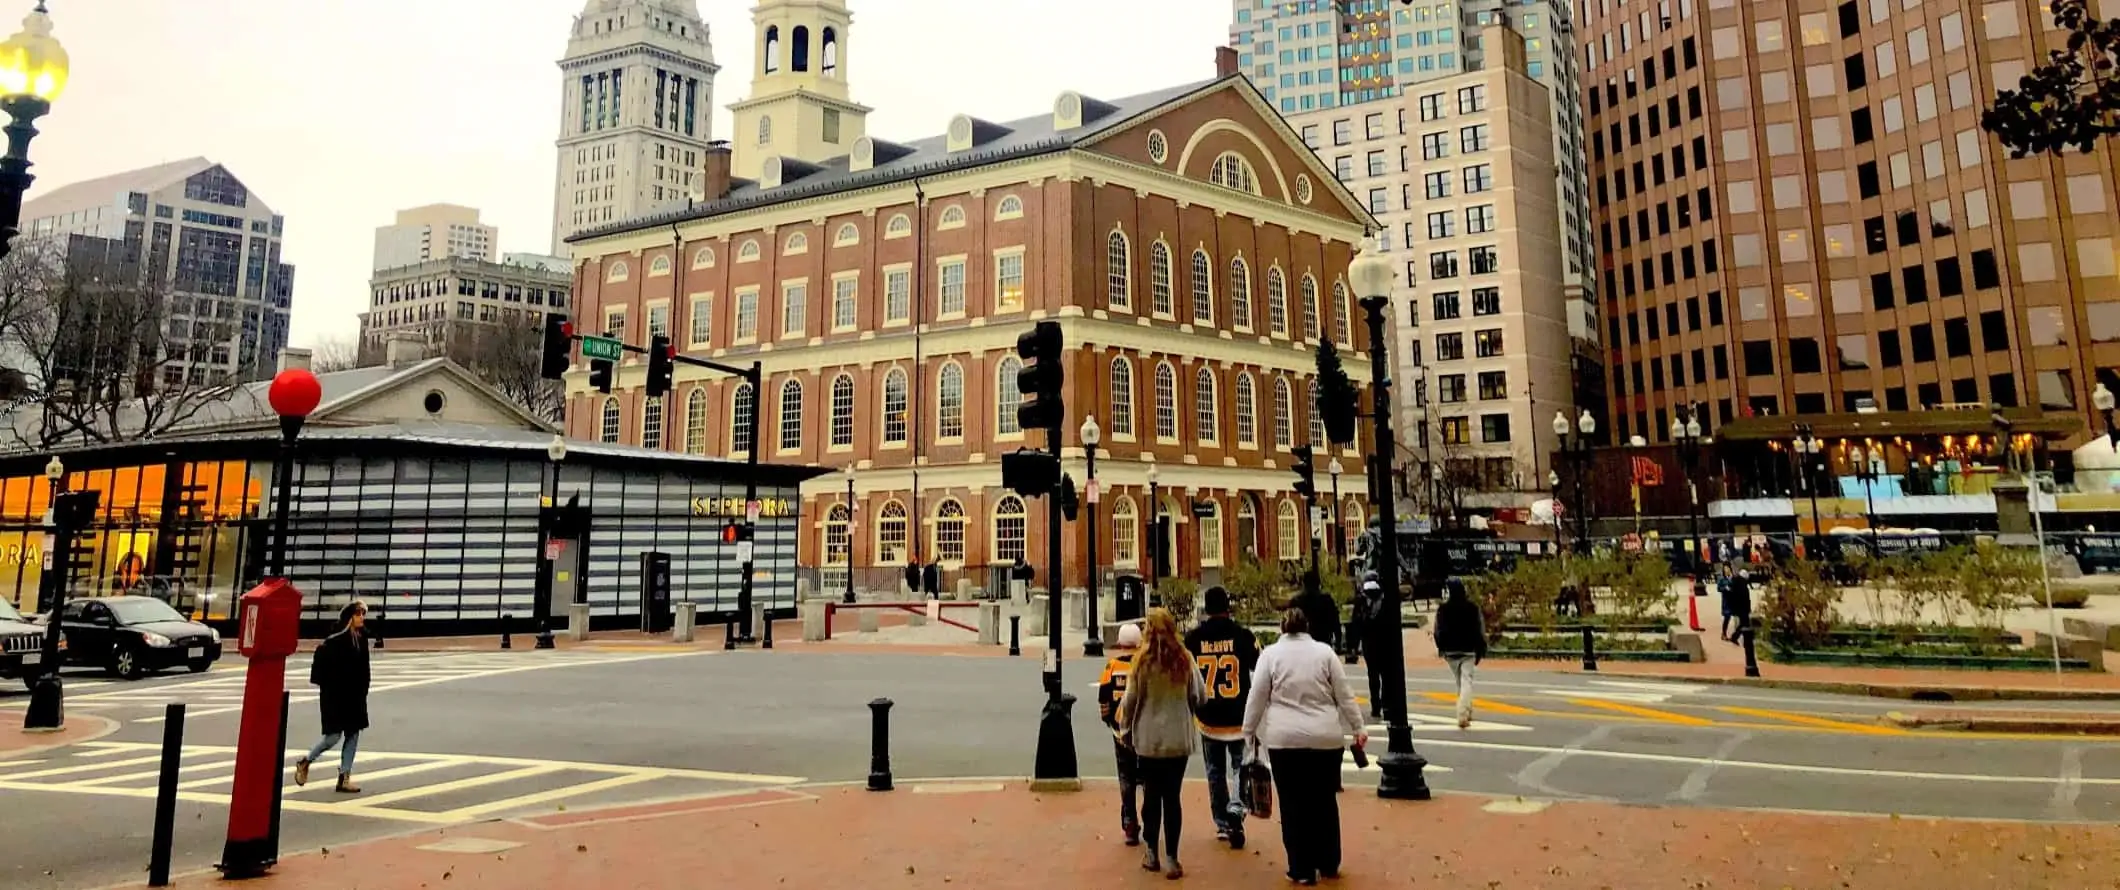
<point x="997" y="835"/>
<point x="16" y="742"/>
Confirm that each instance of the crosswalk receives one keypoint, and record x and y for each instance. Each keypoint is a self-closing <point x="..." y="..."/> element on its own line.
<point x="431" y="789"/>
<point x="221" y="692"/>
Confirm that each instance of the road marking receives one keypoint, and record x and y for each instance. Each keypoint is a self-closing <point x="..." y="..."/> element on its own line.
<point x="86" y="768"/>
<point x="1761" y="765"/>
<point x="1808" y="720"/>
<point x="1347" y="764"/>
<point x="1424" y="722"/>
<point x="143" y="774"/>
<point x="1480" y="704"/>
<point x="9" y="763"/>
<point x="458" y="785"/>
<point x="421" y="767"/>
<point x="561" y="793"/>
<point x="1644" y="713"/>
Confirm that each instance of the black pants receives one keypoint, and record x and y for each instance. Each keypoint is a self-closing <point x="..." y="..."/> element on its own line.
<point x="1305" y="780"/>
<point x="1161" y="780"/>
<point x="1129" y="784"/>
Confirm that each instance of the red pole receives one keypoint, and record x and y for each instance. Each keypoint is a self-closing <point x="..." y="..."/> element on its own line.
<point x="258" y="769"/>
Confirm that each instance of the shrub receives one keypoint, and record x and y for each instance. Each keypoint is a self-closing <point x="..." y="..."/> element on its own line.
<point x="1255" y="592"/>
<point x="1993" y="579"/>
<point x="1179" y="595"/>
<point x="1799" y="606"/>
<point x="2071" y="596"/>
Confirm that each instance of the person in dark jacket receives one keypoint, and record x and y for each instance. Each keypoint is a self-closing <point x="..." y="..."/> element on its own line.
<point x="1461" y="637"/>
<point x="1225" y="653"/>
<point x="1324" y="616"/>
<point x="1736" y="604"/>
<point x="339" y="671"/>
<point x="1369" y="619"/>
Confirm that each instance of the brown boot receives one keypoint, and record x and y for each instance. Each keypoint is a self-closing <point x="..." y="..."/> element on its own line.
<point x="346" y="785"/>
<point x="301" y="771"/>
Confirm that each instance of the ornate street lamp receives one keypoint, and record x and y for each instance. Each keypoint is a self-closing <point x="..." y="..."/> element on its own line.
<point x="32" y="75"/>
<point x="1156" y="539"/>
<point x="1685" y="431"/>
<point x="1091" y="436"/>
<point x="548" y="511"/>
<point x="848" y="470"/>
<point x="1339" y="531"/>
<point x="47" y="700"/>
<point x="1575" y="448"/>
<point x="295" y="393"/>
<point x="1807" y="450"/>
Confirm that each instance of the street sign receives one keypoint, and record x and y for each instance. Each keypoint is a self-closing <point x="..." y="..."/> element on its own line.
<point x="1091" y="494"/>
<point x="750" y="511"/>
<point x="603" y="348"/>
<point x="743" y="551"/>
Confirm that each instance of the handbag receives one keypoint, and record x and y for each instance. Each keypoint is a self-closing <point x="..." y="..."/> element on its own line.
<point x="1255" y="786"/>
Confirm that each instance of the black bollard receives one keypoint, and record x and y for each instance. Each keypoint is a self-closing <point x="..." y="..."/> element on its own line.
<point x="1589" y="650"/>
<point x="506" y="621"/>
<point x="728" y="639"/>
<point x="1751" y="658"/>
<point x="279" y="784"/>
<point x="767" y="643"/>
<point x="544" y="634"/>
<point x="880" y="745"/>
<point x="1015" y="635"/>
<point x="374" y="627"/>
<point x="166" y="796"/>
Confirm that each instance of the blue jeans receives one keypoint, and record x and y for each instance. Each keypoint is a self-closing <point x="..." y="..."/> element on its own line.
<point x="352" y="743"/>
<point x="1223" y="762"/>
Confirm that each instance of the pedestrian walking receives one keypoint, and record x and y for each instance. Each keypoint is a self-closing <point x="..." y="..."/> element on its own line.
<point x="1225" y="653"/>
<point x="1736" y="604"/>
<point x="1299" y="711"/>
<point x="1111" y="687"/>
<point x="1324" y="615"/>
<point x="1162" y="695"/>
<point x="1370" y="620"/>
<point x="1461" y="638"/>
<point x="339" y="671"/>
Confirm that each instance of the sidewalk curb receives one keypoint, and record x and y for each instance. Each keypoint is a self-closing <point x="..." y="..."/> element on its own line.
<point x="109" y="726"/>
<point x="2096" y="725"/>
<point x="1939" y="692"/>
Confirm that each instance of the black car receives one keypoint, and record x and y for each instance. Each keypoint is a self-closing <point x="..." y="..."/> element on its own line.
<point x="21" y="645"/>
<point x="133" y="635"/>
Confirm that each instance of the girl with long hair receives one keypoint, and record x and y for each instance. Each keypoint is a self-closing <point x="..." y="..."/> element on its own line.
<point x="339" y="671"/>
<point x="1161" y="696"/>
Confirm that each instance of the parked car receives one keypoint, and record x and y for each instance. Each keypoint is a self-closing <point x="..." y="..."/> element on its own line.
<point x="21" y="645"/>
<point x="131" y="636"/>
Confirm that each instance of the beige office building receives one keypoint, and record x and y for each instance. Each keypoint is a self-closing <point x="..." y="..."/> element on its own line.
<point x="1461" y="173"/>
<point x="432" y="297"/>
<point x="436" y="231"/>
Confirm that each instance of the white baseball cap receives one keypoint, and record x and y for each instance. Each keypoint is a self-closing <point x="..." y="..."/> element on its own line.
<point x="1129" y="636"/>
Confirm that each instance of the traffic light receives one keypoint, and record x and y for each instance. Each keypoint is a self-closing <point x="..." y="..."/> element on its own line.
<point x="1030" y="472"/>
<point x="661" y="369"/>
<point x="600" y="375"/>
<point x="733" y="532"/>
<point x="559" y="346"/>
<point x="1041" y="379"/>
<point x="1306" y="471"/>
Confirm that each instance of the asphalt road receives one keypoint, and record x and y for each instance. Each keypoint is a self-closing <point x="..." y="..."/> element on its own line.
<point x="472" y="736"/>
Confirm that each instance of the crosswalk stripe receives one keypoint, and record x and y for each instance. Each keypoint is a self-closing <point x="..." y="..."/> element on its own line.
<point x="458" y="785"/>
<point x="1484" y="704"/>
<point x="86" y="768"/>
<point x="420" y="767"/>
<point x="1347" y="764"/>
<point x="143" y="774"/>
<point x="560" y="793"/>
<point x="1808" y="720"/>
<point x="1645" y="713"/>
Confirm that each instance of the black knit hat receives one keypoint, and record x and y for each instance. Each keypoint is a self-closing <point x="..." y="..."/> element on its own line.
<point x="1217" y="600"/>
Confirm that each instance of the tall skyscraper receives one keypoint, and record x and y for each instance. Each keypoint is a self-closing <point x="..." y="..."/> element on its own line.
<point x="638" y="88"/>
<point x="434" y="232"/>
<point x="216" y="247"/>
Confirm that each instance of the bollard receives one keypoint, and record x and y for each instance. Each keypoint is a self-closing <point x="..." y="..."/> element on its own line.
<point x="1589" y="652"/>
<point x="166" y="795"/>
<point x="1015" y="635"/>
<point x="506" y="642"/>
<point x="880" y="745"/>
<point x="728" y="639"/>
<point x="544" y="635"/>
<point x="1751" y="658"/>
<point x="374" y="629"/>
<point x="767" y="643"/>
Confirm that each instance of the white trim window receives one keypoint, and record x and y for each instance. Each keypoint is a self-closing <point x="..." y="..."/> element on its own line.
<point x="696" y="421"/>
<point x="1008" y="279"/>
<point x="896" y="407"/>
<point x="1312" y="326"/>
<point x="1119" y="272"/>
<point x="747" y="315"/>
<point x="844" y="311"/>
<point x="1166" y="402"/>
<point x="948" y="543"/>
<point x="794" y="308"/>
<point x="651" y="423"/>
<point x="791" y="416"/>
<point x="1159" y="298"/>
<point x="1211" y="534"/>
<point x="1244" y="410"/>
<point x="1239" y="294"/>
<point x="1203" y="289"/>
<point x="891" y="534"/>
<point x="609" y="425"/>
<point x="1281" y="414"/>
<point x="1011" y="529"/>
<point x="701" y="315"/>
<point x="1122" y="389"/>
<point x="1276" y="303"/>
<point x="1289" y="525"/>
<point x="1007" y="398"/>
<point x="949" y="402"/>
<point x="843" y="411"/>
<point x="949" y="288"/>
<point x="743" y="417"/>
<point x="1126" y="534"/>
<point x="897" y="296"/>
<point x="1206" y="407"/>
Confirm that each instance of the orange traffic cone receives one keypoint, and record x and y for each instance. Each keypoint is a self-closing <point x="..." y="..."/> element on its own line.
<point x="1693" y="612"/>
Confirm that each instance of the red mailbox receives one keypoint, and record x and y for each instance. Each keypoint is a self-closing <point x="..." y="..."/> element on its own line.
<point x="271" y="618"/>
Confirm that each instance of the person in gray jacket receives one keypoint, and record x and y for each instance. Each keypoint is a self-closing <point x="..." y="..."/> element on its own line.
<point x="1162" y="692"/>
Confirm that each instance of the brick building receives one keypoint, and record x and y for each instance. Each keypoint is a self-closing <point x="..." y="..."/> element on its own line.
<point x="1190" y="245"/>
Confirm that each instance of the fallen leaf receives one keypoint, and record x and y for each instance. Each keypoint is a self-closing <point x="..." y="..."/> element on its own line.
<point x="581" y="848"/>
<point x="908" y="869"/>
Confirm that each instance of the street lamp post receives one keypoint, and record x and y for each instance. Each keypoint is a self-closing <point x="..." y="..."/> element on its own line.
<point x="1371" y="275"/>
<point x="1807" y="449"/>
<point x="47" y="702"/>
<point x="1339" y="531"/>
<point x="1093" y="645"/>
<point x="1156" y="539"/>
<point x="1867" y="472"/>
<point x="1575" y="447"/>
<point x="1553" y="484"/>
<point x="852" y="511"/>
<point x="556" y="453"/>
<point x="32" y="74"/>
<point x="1685" y="431"/>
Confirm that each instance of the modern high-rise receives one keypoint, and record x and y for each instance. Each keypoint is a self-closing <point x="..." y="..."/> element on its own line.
<point x="636" y="113"/>
<point x="434" y="232"/>
<point x="202" y="233"/>
<point x="1460" y="172"/>
<point x="1799" y="214"/>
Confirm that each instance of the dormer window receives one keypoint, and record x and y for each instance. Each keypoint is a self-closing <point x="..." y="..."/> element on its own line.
<point x="952" y="218"/>
<point x="797" y="243"/>
<point x="1011" y="207"/>
<point x="1231" y="171"/>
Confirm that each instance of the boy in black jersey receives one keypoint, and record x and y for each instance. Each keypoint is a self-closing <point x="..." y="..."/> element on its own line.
<point x="1111" y="688"/>
<point x="1225" y="653"/>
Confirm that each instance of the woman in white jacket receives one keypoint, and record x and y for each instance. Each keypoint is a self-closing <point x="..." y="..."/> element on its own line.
<point x="1300" y="711"/>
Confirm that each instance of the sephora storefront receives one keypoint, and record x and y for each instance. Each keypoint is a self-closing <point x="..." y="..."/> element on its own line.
<point x="435" y="525"/>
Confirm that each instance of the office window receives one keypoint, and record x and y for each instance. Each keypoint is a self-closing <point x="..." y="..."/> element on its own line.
<point x="1479" y="178"/>
<point x="1446" y="305"/>
<point x="1487" y="343"/>
<point x="1450" y="388"/>
<point x="1479" y="219"/>
<point x="1442" y="224"/>
<point x="1494" y="427"/>
<point x="1434" y="145"/>
<point x="1486" y="301"/>
<point x="1449" y="347"/>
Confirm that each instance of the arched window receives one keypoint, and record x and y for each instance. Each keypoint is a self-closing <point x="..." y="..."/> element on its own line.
<point x="772" y="53"/>
<point x="1159" y="279"/>
<point x="1007" y="398"/>
<point x="765" y="129"/>
<point x="949" y="402"/>
<point x="890" y="535"/>
<point x="1239" y="294"/>
<point x="1119" y="266"/>
<point x="1010" y="207"/>
<point x="704" y="259"/>
<point x="830" y="51"/>
<point x="743" y="417"/>
<point x="1276" y="303"/>
<point x="1122" y="413"/>
<point x="952" y="217"/>
<point x="1010" y="529"/>
<point x="800" y="53"/>
<point x="1210" y="533"/>
<point x="1310" y="308"/>
<point x="1166" y="402"/>
<point x="1247" y="528"/>
<point x="1231" y="171"/>
<point x="895" y="403"/>
<point x="1203" y="289"/>
<point x="836" y="542"/>
<point x="1204" y="405"/>
<point x="608" y="428"/>
<point x="1244" y="408"/>
<point x="659" y="266"/>
<point x="617" y="272"/>
<point x="696" y="421"/>
<point x="899" y="227"/>
<point x="1341" y="310"/>
<point x="1126" y="534"/>
<point x="1317" y="420"/>
<point x="1281" y="408"/>
<point x="842" y="411"/>
<point x="797" y="243"/>
<point x="848" y="235"/>
<point x="791" y="416"/>
<point x="748" y="252"/>
<point x="1351" y="522"/>
<point x="651" y="423"/>
<point x="1290" y="527"/>
<point x="948" y="545"/>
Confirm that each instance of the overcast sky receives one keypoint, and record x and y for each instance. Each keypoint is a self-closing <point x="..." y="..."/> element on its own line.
<point x="339" y="112"/>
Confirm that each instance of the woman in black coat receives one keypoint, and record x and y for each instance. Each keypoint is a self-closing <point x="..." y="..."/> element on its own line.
<point x="339" y="671"/>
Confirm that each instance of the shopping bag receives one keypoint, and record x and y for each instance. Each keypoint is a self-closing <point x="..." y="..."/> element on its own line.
<point x="1255" y="787"/>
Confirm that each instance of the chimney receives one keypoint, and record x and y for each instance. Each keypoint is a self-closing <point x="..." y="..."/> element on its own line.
<point x="293" y="357"/>
<point x="403" y="349"/>
<point x="1225" y="61"/>
<point x="714" y="180"/>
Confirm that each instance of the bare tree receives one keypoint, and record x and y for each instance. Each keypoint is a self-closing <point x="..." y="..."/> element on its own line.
<point x="507" y="356"/>
<point x="100" y="351"/>
<point x="335" y="354"/>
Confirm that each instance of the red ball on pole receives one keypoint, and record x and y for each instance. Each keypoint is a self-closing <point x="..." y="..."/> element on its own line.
<point x="295" y="392"/>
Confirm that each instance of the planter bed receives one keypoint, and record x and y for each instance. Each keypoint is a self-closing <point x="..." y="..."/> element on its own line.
<point x="1571" y="647"/>
<point x="1860" y="637"/>
<point x="1576" y="627"/>
<point x="2027" y="661"/>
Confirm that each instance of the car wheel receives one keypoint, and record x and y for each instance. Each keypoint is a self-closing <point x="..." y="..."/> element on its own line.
<point x="126" y="664"/>
<point x="200" y="666"/>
